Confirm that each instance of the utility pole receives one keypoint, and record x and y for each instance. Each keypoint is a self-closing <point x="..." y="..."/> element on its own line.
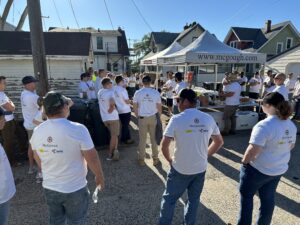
<point x="38" y="45"/>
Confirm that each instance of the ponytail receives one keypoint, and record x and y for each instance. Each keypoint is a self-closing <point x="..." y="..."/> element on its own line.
<point x="284" y="110"/>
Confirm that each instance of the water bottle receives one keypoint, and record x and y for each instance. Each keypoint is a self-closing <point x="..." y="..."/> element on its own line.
<point x="95" y="194"/>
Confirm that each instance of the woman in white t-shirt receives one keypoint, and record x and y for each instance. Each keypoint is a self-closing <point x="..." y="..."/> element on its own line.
<point x="7" y="184"/>
<point x="266" y="158"/>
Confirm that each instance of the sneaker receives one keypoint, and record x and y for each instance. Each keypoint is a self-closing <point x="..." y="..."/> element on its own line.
<point x="129" y="142"/>
<point x="30" y="170"/>
<point x="116" y="155"/>
<point x="156" y="162"/>
<point x="109" y="158"/>
<point x="141" y="162"/>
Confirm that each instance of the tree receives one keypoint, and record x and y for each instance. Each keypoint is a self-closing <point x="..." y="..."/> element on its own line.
<point x="142" y="48"/>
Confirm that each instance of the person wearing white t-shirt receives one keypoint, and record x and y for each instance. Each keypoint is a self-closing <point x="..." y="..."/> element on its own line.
<point x="243" y="81"/>
<point x="169" y="87"/>
<point x="123" y="107"/>
<point x="280" y="88"/>
<point x="289" y="83"/>
<point x="11" y="132"/>
<point x="146" y="104"/>
<point x="83" y="88"/>
<point x="268" y="84"/>
<point x="110" y="116"/>
<point x="131" y="85"/>
<point x="296" y="98"/>
<point x="266" y="159"/>
<point x="64" y="150"/>
<point x="92" y="91"/>
<point x="180" y="84"/>
<point x="191" y="130"/>
<point x="7" y="183"/>
<point x="29" y="110"/>
<point x="255" y="84"/>
<point x="232" y="94"/>
<point x="98" y="85"/>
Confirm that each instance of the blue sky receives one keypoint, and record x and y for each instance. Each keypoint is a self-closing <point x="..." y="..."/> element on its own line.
<point x="217" y="16"/>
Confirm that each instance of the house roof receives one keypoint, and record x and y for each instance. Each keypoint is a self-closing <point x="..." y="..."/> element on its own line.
<point x="62" y="43"/>
<point x="164" y="38"/>
<point x="258" y="35"/>
<point x="284" y="52"/>
<point x="188" y="30"/>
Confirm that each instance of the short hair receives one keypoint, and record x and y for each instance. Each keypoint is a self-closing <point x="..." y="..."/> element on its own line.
<point x="118" y="79"/>
<point x="2" y="78"/>
<point x="101" y="70"/>
<point x="83" y="75"/>
<point x="178" y="76"/>
<point x="146" y="79"/>
<point x="105" y="81"/>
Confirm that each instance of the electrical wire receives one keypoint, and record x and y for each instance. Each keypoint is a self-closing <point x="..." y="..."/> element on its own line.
<point x="70" y="2"/>
<point x="57" y="13"/>
<point x="138" y="10"/>
<point x="109" y="15"/>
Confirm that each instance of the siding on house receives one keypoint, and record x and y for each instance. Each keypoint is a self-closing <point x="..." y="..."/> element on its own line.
<point x="190" y="37"/>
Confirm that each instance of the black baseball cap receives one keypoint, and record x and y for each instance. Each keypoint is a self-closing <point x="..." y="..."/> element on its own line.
<point x="188" y="94"/>
<point x="53" y="101"/>
<point x="29" y="79"/>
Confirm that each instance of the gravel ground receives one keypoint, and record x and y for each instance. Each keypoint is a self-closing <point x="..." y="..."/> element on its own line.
<point x="132" y="195"/>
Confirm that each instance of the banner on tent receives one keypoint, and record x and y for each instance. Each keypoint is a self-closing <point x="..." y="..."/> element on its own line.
<point x="230" y="58"/>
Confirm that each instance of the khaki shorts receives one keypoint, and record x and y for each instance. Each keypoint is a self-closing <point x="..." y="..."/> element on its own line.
<point x="29" y="134"/>
<point x="113" y="127"/>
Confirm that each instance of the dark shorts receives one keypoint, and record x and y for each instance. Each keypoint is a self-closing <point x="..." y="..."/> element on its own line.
<point x="169" y="102"/>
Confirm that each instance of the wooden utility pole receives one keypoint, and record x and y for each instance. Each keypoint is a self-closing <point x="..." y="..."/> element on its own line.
<point x="38" y="45"/>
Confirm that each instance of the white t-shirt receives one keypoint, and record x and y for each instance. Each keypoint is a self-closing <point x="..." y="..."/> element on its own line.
<point x="170" y="84"/>
<point x="275" y="137"/>
<point x="147" y="100"/>
<point x="191" y="130"/>
<point x="29" y="108"/>
<point x="98" y="84"/>
<point x="105" y="96"/>
<point x="283" y="91"/>
<point x="121" y="95"/>
<point x="58" y="143"/>
<point x="132" y="81"/>
<point x="235" y="99"/>
<point x="243" y="79"/>
<point x="91" y="93"/>
<point x="39" y="116"/>
<point x="255" y="88"/>
<point x="297" y="89"/>
<point x="290" y="84"/>
<point x="3" y="100"/>
<point x="7" y="183"/>
<point x="178" y="88"/>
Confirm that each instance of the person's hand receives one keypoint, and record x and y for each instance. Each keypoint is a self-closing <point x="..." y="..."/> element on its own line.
<point x="99" y="182"/>
<point x="111" y="109"/>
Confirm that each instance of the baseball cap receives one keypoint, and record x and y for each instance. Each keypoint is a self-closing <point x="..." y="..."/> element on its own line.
<point x="29" y="79"/>
<point x="54" y="100"/>
<point x="188" y="94"/>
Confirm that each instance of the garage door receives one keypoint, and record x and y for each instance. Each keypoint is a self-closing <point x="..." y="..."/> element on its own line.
<point x="293" y="68"/>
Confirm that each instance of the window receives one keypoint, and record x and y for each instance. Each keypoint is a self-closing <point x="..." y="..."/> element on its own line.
<point x="279" y="47"/>
<point x="115" y="67"/>
<point x="206" y="69"/>
<point x="289" y="43"/>
<point x="233" y="44"/>
<point x="100" y="43"/>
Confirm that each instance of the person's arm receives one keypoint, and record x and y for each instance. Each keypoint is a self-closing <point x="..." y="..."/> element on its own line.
<point x="112" y="106"/>
<point x="251" y="153"/>
<point x="216" y="144"/>
<point x="159" y="108"/>
<point x="94" y="164"/>
<point x="37" y="159"/>
<point x="36" y="122"/>
<point x="227" y="94"/>
<point x="165" y="148"/>
<point x="9" y="106"/>
<point x="135" y="109"/>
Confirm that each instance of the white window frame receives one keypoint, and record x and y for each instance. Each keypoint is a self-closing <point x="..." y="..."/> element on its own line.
<point x="289" y="38"/>
<point x="233" y="44"/>
<point x="97" y="43"/>
<point x="281" y="50"/>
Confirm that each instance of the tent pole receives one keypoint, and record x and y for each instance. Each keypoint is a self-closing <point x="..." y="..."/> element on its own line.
<point x="216" y="77"/>
<point x="157" y="77"/>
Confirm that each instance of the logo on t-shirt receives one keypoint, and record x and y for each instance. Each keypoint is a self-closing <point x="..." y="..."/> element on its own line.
<point x="287" y="132"/>
<point x="196" y="121"/>
<point x="50" y="139"/>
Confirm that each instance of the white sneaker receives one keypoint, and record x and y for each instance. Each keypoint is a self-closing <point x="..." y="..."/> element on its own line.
<point x="116" y="155"/>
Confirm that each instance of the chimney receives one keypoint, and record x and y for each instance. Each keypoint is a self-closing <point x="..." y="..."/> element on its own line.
<point x="268" y="26"/>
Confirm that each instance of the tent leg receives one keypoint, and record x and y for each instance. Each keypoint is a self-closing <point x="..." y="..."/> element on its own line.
<point x="157" y="76"/>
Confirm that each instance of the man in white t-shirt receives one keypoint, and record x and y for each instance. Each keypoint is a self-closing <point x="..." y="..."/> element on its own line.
<point x="243" y="81"/>
<point x="110" y="116"/>
<point x="123" y="107"/>
<point x="268" y="85"/>
<point x="11" y="132"/>
<point x="146" y="104"/>
<point x="191" y="130"/>
<point x="280" y="87"/>
<point x="255" y="84"/>
<point x="98" y="85"/>
<point x="232" y="93"/>
<point x="64" y="149"/>
<point x="131" y="85"/>
<point x="290" y="85"/>
<point x="91" y="85"/>
<point x="296" y="97"/>
<point x="7" y="183"/>
<point x="30" y="108"/>
<point x="180" y="84"/>
<point x="169" y="87"/>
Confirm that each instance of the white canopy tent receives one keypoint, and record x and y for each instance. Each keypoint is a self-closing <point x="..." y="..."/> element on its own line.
<point x="207" y="49"/>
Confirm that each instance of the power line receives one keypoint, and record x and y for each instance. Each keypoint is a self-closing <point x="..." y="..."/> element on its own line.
<point x="109" y="15"/>
<point x="70" y="2"/>
<point x="57" y="13"/>
<point x="138" y="10"/>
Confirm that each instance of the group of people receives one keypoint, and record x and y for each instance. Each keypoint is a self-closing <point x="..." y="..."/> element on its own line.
<point x="64" y="150"/>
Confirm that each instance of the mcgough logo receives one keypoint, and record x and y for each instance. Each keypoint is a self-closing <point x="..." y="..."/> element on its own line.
<point x="50" y="139"/>
<point x="287" y="132"/>
<point x="196" y="121"/>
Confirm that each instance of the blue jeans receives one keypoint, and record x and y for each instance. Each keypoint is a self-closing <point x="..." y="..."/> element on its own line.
<point x="4" y="211"/>
<point x="67" y="207"/>
<point x="176" y="185"/>
<point x="252" y="181"/>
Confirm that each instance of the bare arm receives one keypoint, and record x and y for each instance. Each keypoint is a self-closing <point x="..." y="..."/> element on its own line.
<point x="9" y="106"/>
<point x="37" y="159"/>
<point x="165" y="148"/>
<point x="36" y="122"/>
<point x="93" y="162"/>
<point x="251" y="153"/>
<point x="227" y="94"/>
<point x="159" y="108"/>
<point x="135" y="109"/>
<point x="217" y="143"/>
